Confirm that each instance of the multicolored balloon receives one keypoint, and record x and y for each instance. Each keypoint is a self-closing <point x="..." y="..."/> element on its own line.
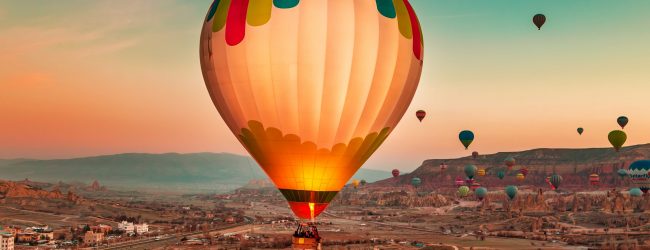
<point x="510" y="162"/>
<point x="511" y="191"/>
<point x="474" y="186"/>
<point x="395" y="172"/>
<point x="622" y="121"/>
<point x="420" y="114"/>
<point x="466" y="137"/>
<point x="459" y="181"/>
<point x="639" y="176"/>
<point x="635" y="192"/>
<point x="548" y="181"/>
<point x="539" y="20"/>
<point x="481" y="172"/>
<point x="416" y="182"/>
<point x="580" y="130"/>
<point x="470" y="171"/>
<point x="617" y="138"/>
<point x="521" y="177"/>
<point x="463" y="191"/>
<point x="481" y="193"/>
<point x="355" y="183"/>
<point x="501" y="174"/>
<point x="556" y="180"/>
<point x="594" y="179"/>
<point x="523" y="171"/>
<point x="275" y="71"/>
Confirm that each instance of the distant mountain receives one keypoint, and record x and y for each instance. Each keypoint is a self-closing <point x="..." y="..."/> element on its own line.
<point x="574" y="165"/>
<point x="198" y="172"/>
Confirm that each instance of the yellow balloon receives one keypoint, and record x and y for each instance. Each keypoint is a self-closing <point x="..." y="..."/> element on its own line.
<point x="311" y="88"/>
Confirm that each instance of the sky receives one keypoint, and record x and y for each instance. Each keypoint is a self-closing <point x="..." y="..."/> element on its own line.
<point x="81" y="78"/>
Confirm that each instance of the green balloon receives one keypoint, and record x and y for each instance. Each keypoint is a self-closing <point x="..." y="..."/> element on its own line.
<point x="622" y="173"/>
<point x="463" y="191"/>
<point x="470" y="171"/>
<point x="501" y="174"/>
<point x="636" y="192"/>
<point x="481" y="193"/>
<point x="511" y="191"/>
<point x="617" y="138"/>
<point x="416" y="182"/>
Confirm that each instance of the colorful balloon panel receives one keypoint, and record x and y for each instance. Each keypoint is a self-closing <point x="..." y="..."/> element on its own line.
<point x="639" y="174"/>
<point x="311" y="88"/>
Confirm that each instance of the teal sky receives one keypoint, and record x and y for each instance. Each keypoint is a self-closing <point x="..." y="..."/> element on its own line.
<point x="100" y="77"/>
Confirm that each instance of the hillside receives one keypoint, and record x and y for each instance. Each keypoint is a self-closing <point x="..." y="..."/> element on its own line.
<point x="198" y="172"/>
<point x="575" y="165"/>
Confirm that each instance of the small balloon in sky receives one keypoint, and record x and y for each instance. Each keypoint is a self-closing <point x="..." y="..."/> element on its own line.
<point x="420" y="114"/>
<point x="622" y="121"/>
<point x="580" y="130"/>
<point x="539" y="20"/>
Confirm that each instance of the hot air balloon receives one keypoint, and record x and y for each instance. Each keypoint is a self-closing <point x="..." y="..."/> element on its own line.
<point x="469" y="181"/>
<point x="470" y="171"/>
<point x="580" y="130"/>
<point x="617" y="138"/>
<point x="594" y="179"/>
<point x="635" y="192"/>
<point x="556" y="180"/>
<point x="521" y="177"/>
<point x="459" y="181"/>
<point x="622" y="173"/>
<point x="363" y="182"/>
<point x="523" y="171"/>
<point x="443" y="166"/>
<point x="420" y="114"/>
<point x="622" y="121"/>
<point x="463" y="191"/>
<point x="466" y="138"/>
<point x="501" y="174"/>
<point x="480" y="193"/>
<point x="511" y="191"/>
<point x="548" y="181"/>
<point x="474" y="186"/>
<point x="311" y="88"/>
<point x="481" y="172"/>
<point x="539" y="20"/>
<point x="639" y="176"/>
<point x="474" y="155"/>
<point x="355" y="183"/>
<point x="416" y="182"/>
<point x="510" y="162"/>
<point x="395" y="173"/>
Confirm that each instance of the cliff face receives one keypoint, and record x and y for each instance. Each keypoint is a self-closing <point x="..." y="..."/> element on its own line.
<point x="9" y="189"/>
<point x="575" y="165"/>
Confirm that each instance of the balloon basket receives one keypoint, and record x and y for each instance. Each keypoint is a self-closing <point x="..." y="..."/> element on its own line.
<point x="306" y="237"/>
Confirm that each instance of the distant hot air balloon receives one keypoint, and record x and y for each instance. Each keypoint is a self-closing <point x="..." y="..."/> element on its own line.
<point x="617" y="138"/>
<point x="416" y="182"/>
<point x="622" y="121"/>
<point x="420" y="114"/>
<point x="355" y="183"/>
<point x="443" y="166"/>
<point x="594" y="179"/>
<point x="548" y="181"/>
<point x="521" y="177"/>
<point x="481" y="193"/>
<point x="481" y="172"/>
<point x="511" y="191"/>
<point x="363" y="182"/>
<point x="580" y="130"/>
<point x="311" y="88"/>
<point x="523" y="171"/>
<point x="639" y="176"/>
<point x="501" y="174"/>
<point x="466" y="137"/>
<point x="635" y="192"/>
<point x="459" y="181"/>
<point x="474" y="186"/>
<point x="470" y="171"/>
<point x="556" y="180"/>
<point x="539" y="20"/>
<point x="622" y="173"/>
<point x="395" y="172"/>
<point x="510" y="162"/>
<point x="463" y="191"/>
<point x="474" y="155"/>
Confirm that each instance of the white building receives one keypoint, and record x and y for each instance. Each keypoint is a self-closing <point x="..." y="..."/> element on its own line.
<point x="6" y="241"/>
<point x="141" y="228"/>
<point x="129" y="227"/>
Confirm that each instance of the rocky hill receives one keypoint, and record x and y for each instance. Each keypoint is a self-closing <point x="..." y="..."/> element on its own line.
<point x="574" y="165"/>
<point x="10" y="189"/>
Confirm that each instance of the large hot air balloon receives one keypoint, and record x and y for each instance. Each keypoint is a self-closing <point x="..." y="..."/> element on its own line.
<point x="556" y="180"/>
<point x="622" y="173"/>
<point x="470" y="171"/>
<point x="443" y="166"/>
<point x="463" y="191"/>
<point x="594" y="179"/>
<point x="617" y="138"/>
<point x="481" y="193"/>
<point x="416" y="182"/>
<point x="639" y="176"/>
<point x="395" y="172"/>
<point x="523" y="171"/>
<point x="466" y="137"/>
<point x="510" y="162"/>
<point x="474" y="155"/>
<point x="539" y="20"/>
<point x="511" y="191"/>
<point x="481" y="172"/>
<point x="580" y="130"/>
<point x="622" y="121"/>
<point x="420" y="114"/>
<point x="501" y="174"/>
<point x="311" y="88"/>
<point x="459" y="181"/>
<point x="355" y="183"/>
<point x="521" y="177"/>
<point x="635" y="192"/>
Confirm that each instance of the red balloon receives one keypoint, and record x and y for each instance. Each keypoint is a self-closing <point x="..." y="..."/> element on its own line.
<point x="420" y="114"/>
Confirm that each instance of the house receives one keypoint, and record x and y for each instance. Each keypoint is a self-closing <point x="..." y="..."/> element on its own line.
<point x="92" y="238"/>
<point x="6" y="241"/>
<point x="101" y="228"/>
<point x="141" y="228"/>
<point x="129" y="227"/>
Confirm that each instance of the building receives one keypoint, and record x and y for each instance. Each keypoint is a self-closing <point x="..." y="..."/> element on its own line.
<point x="6" y="241"/>
<point x="141" y="228"/>
<point x="129" y="227"/>
<point x="91" y="238"/>
<point x="101" y="228"/>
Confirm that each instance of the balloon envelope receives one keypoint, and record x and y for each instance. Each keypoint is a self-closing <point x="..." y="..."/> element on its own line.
<point x="622" y="121"/>
<point x="521" y="177"/>
<point x="510" y="161"/>
<point x="594" y="179"/>
<point x="639" y="176"/>
<point x="635" y="192"/>
<point x="395" y="172"/>
<point x="466" y="137"/>
<point x="463" y="191"/>
<point x="311" y="88"/>
<point x="511" y="191"/>
<point x="470" y="171"/>
<point x="523" y="171"/>
<point x="474" y="155"/>
<point x="556" y="181"/>
<point x="481" y="172"/>
<point x="501" y="174"/>
<point x="416" y="182"/>
<point x="355" y="183"/>
<point x="580" y="130"/>
<point x="481" y="193"/>
<point x="539" y="20"/>
<point x="622" y="173"/>
<point x="617" y="138"/>
<point x="420" y="114"/>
